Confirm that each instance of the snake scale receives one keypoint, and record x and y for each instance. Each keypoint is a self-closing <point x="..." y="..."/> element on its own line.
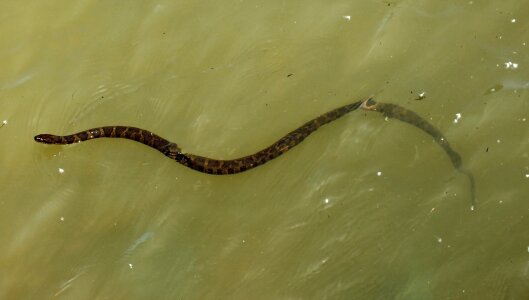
<point x="287" y="142"/>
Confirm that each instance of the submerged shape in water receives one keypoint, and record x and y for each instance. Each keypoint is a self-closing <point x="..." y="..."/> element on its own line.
<point x="405" y="115"/>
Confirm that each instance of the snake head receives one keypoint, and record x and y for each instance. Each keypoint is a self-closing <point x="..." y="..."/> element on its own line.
<point x="369" y="104"/>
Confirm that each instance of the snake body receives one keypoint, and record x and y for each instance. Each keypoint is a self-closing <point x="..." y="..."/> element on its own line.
<point x="201" y="163"/>
<point x="287" y="142"/>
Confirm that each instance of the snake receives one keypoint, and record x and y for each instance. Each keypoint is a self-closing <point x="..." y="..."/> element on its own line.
<point x="281" y="146"/>
<point x="197" y="162"/>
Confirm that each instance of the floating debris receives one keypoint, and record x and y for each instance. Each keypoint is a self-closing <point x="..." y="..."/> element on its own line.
<point x="510" y="65"/>
<point x="458" y="117"/>
<point x="495" y="88"/>
<point x="421" y="96"/>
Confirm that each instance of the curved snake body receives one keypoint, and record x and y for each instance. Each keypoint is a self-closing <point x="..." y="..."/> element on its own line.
<point x="201" y="163"/>
<point x="289" y="141"/>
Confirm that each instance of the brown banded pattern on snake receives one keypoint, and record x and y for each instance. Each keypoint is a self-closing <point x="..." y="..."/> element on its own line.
<point x="287" y="142"/>
<point x="201" y="163"/>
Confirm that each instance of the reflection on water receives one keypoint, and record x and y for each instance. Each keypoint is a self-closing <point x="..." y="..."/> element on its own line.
<point x="365" y="208"/>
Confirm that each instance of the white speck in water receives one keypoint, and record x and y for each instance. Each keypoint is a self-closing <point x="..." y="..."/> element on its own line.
<point x="439" y="240"/>
<point x="526" y="175"/>
<point x="513" y="20"/>
<point x="62" y="219"/>
<point x="243" y="241"/>
<point x="524" y="119"/>
<point x="326" y="200"/>
<point x="472" y="208"/>
<point x="348" y="18"/>
<point x="510" y="65"/>
<point x="498" y="141"/>
<point x="4" y="122"/>
<point x="458" y="117"/>
<point x="421" y="96"/>
<point x="379" y="173"/>
<point x="527" y="248"/>
<point x="61" y="170"/>
<point x="131" y="266"/>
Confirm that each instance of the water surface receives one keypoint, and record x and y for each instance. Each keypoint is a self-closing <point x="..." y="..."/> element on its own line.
<point x="365" y="208"/>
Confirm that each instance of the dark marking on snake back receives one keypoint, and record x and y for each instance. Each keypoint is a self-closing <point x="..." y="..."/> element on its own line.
<point x="284" y="144"/>
<point x="405" y="115"/>
<point x="200" y="163"/>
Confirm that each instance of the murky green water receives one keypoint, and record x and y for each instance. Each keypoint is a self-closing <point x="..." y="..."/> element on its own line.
<point x="364" y="209"/>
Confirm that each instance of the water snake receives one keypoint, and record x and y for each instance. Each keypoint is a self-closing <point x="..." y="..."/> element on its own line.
<point x="287" y="142"/>
<point x="200" y="163"/>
